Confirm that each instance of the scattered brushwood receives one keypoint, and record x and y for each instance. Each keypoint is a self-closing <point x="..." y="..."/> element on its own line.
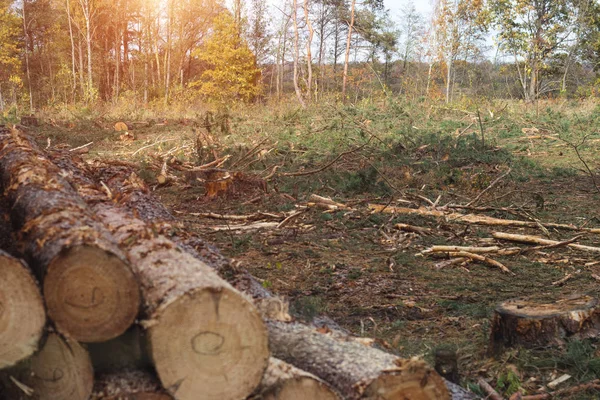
<point x="531" y="324"/>
<point x="19" y="296"/>
<point x="89" y="289"/>
<point x="60" y="370"/>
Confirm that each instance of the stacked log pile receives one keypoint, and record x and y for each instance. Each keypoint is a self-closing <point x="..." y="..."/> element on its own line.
<point x="135" y="314"/>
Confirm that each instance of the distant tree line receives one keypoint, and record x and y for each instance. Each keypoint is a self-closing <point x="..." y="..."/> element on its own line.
<point x="55" y="52"/>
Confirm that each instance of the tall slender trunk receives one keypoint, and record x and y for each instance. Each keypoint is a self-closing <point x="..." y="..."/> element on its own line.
<point x="81" y="68"/>
<point x="347" y="57"/>
<point x="168" y="52"/>
<point x="27" y="56"/>
<point x="296" y="54"/>
<point x="74" y="84"/>
<point x="308" y="52"/>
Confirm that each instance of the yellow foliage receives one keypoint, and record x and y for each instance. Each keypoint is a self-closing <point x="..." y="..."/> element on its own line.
<point x="230" y="66"/>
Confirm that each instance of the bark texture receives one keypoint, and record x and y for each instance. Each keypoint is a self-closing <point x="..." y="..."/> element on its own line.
<point x="129" y="385"/>
<point x="22" y="314"/>
<point x="89" y="290"/>
<point x="203" y="335"/>
<point x="529" y="324"/>
<point x="355" y="370"/>
<point x="283" y="381"/>
<point x="61" y="370"/>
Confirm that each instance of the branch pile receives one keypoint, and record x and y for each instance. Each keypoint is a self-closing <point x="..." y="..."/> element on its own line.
<point x="203" y="326"/>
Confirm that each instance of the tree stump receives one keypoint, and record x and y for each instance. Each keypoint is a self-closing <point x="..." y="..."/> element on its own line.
<point x="530" y="324"/>
<point x="61" y="370"/>
<point x="22" y="314"/>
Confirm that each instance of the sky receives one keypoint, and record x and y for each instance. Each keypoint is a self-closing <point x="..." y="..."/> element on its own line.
<point x="423" y="6"/>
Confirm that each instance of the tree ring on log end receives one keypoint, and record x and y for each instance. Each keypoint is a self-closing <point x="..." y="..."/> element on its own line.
<point x="91" y="294"/>
<point x="530" y="324"/>
<point x="414" y="380"/>
<point x="209" y="343"/>
<point x="22" y="314"/>
<point x="302" y="389"/>
<point x="61" y="370"/>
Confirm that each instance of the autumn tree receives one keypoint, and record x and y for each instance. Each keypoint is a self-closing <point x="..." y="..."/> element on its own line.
<point x="10" y="63"/>
<point x="531" y="31"/>
<point x="230" y="70"/>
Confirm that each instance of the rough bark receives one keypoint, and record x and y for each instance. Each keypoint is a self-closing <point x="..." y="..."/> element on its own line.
<point x="203" y="335"/>
<point x="129" y="385"/>
<point x="529" y="324"/>
<point x="7" y="240"/>
<point x="22" y="314"/>
<point x="89" y="290"/>
<point x="283" y="381"/>
<point x="61" y="370"/>
<point x="355" y="370"/>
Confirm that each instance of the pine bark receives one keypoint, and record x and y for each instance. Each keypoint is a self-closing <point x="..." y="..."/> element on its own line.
<point x="89" y="289"/>
<point x="283" y="381"/>
<point x="61" y="370"/>
<point x="22" y="314"/>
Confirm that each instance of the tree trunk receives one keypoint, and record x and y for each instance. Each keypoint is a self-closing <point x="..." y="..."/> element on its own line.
<point x="90" y="292"/>
<point x="27" y="57"/>
<point x="347" y="56"/>
<point x="296" y="54"/>
<point x="308" y="52"/>
<point x="129" y="385"/>
<point x="203" y="335"/>
<point x="61" y="370"/>
<point x="283" y="381"/>
<point x="529" y="324"/>
<point x="22" y="314"/>
<point x="354" y="369"/>
<point x="74" y="87"/>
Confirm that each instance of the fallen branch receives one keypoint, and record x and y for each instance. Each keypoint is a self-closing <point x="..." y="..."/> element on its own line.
<point x="415" y="229"/>
<point x="483" y="259"/>
<point x="539" y="240"/>
<point x="562" y="281"/>
<point x="243" y="228"/>
<point x="454" y="249"/>
<point x="595" y="384"/>
<point x="494" y="183"/>
<point x="474" y="219"/>
<point x="490" y="391"/>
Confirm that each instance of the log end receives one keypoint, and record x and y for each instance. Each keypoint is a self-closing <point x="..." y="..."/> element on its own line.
<point x="302" y="389"/>
<point x="22" y="314"/>
<point x="61" y="370"/>
<point x="413" y="379"/>
<point x="91" y="294"/>
<point x="530" y="324"/>
<point x="209" y="341"/>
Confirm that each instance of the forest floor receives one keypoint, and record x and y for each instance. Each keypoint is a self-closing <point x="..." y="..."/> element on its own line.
<point x="353" y="264"/>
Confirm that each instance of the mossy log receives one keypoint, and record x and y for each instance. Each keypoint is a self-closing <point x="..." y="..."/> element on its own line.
<point x="22" y="314"/>
<point x="90" y="292"/>
<point x="357" y="371"/>
<point x="129" y="385"/>
<point x="283" y="381"/>
<point x="531" y="324"/>
<point x="60" y="370"/>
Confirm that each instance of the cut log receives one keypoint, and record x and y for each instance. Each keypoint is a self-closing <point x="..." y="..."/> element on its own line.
<point x="147" y="207"/>
<point x="529" y="324"/>
<point x="61" y="370"/>
<point x="129" y="385"/>
<point x="89" y="290"/>
<point x="283" y="381"/>
<point x="22" y="314"/>
<point x="203" y="335"/>
<point x="355" y="370"/>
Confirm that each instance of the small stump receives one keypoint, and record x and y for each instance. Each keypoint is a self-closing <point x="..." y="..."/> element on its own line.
<point x="529" y="324"/>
